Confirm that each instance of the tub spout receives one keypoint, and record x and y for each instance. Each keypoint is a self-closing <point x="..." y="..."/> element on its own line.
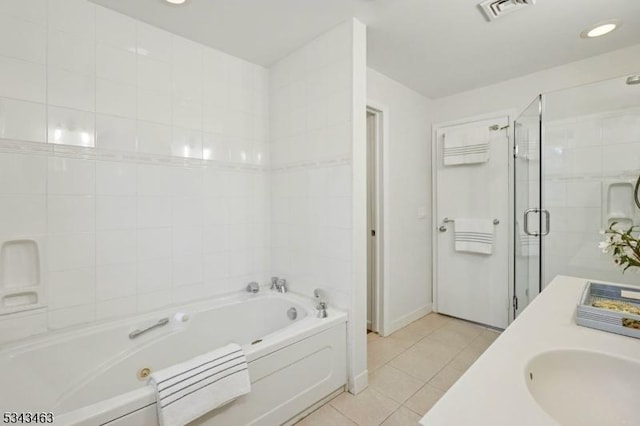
<point x="279" y="285"/>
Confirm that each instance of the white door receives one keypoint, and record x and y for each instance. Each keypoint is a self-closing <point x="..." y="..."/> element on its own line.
<point x="473" y="286"/>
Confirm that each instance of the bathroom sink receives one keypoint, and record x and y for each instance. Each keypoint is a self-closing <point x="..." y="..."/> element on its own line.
<point x="577" y="387"/>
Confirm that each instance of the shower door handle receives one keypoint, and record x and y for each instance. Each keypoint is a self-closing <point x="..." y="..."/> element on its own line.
<point x="526" y="222"/>
<point x="547" y="222"/>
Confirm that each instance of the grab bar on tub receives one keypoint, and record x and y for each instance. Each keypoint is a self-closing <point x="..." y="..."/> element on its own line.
<point x="160" y="323"/>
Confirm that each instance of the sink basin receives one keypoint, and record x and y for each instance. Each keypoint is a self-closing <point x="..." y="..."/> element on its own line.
<point x="585" y="388"/>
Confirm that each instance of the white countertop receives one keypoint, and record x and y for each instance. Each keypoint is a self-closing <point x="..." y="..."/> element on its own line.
<point x="494" y="390"/>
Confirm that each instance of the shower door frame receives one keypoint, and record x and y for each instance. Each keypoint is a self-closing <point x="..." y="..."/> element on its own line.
<point x="516" y="306"/>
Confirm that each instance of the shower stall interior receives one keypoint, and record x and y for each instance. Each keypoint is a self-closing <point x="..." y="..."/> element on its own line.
<point x="576" y="168"/>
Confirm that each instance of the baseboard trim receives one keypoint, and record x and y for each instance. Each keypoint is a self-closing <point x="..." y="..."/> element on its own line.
<point x="408" y="319"/>
<point x="359" y="383"/>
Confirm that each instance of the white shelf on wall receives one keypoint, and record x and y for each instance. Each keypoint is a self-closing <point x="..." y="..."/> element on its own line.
<point x="617" y="203"/>
<point x="20" y="276"/>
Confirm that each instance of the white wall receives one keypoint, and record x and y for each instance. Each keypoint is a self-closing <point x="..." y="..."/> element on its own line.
<point x="406" y="191"/>
<point x="313" y="94"/>
<point x="519" y="92"/>
<point x="105" y="109"/>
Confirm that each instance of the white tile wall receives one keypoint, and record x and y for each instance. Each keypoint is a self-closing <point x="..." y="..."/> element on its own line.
<point x="133" y="234"/>
<point x="128" y="236"/>
<point x="70" y="127"/>
<point x="81" y="59"/>
<point x="22" y="39"/>
<point x="33" y="11"/>
<point x="71" y="52"/>
<point x="22" y="120"/>
<point x="116" y="133"/>
<point x="22" y="80"/>
<point x="71" y="90"/>
<point x="115" y="29"/>
<point x="311" y="104"/>
<point x="582" y="153"/>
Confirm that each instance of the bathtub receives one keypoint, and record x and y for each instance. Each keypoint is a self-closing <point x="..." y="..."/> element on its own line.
<point x="93" y="375"/>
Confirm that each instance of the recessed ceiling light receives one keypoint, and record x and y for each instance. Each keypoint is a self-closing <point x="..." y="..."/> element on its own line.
<point x="176" y="1"/>
<point x="601" y="28"/>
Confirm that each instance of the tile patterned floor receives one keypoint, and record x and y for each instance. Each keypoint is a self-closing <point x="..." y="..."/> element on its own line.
<point x="408" y="372"/>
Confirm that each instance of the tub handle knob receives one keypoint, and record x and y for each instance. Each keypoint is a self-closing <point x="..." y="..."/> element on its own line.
<point x="274" y="283"/>
<point x="321" y="307"/>
<point x="253" y="287"/>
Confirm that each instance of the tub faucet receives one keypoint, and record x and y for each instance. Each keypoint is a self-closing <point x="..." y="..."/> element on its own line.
<point x="253" y="287"/>
<point x="274" y="283"/>
<point x="281" y="285"/>
<point x="321" y="307"/>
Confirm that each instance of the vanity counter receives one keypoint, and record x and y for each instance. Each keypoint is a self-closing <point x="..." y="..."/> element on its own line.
<point x="494" y="390"/>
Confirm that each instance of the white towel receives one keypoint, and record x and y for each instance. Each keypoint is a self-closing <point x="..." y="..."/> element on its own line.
<point x="190" y="389"/>
<point x="466" y="146"/>
<point x="474" y="235"/>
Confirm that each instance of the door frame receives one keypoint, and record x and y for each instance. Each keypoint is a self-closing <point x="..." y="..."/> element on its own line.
<point x="381" y="114"/>
<point x="510" y="114"/>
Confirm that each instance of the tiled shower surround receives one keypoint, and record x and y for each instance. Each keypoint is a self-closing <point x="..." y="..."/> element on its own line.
<point x="139" y="163"/>
<point x="584" y="154"/>
<point x="311" y="181"/>
<point x="121" y="236"/>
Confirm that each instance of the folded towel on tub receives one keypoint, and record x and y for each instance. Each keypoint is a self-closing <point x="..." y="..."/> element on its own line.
<point x="474" y="235"/>
<point x="190" y="389"/>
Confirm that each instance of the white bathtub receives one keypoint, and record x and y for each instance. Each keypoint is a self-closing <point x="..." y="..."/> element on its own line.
<point x="89" y="375"/>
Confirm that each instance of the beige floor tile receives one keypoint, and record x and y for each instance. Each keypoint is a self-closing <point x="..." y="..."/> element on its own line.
<point x="409" y="335"/>
<point x="435" y="349"/>
<point x="381" y="351"/>
<point x="465" y="359"/>
<point x="394" y="383"/>
<point x="430" y="347"/>
<point x="402" y="417"/>
<point x="466" y="328"/>
<point x="372" y="337"/>
<point x="369" y="407"/>
<point x="485" y="339"/>
<point x="446" y="378"/>
<point x="455" y="336"/>
<point x="421" y="328"/>
<point x="424" y="399"/>
<point x="490" y="334"/>
<point x="422" y="362"/>
<point x="326" y="416"/>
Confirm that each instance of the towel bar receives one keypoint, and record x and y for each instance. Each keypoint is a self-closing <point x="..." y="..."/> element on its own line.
<point x="138" y="332"/>
<point x="447" y="220"/>
<point x="497" y="127"/>
<point x="443" y="227"/>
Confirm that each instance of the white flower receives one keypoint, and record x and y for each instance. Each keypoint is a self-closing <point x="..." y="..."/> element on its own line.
<point x="604" y="245"/>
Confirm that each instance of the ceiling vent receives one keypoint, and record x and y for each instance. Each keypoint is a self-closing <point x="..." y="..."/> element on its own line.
<point x="494" y="9"/>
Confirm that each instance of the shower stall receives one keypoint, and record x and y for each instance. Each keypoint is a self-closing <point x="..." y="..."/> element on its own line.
<point x="576" y="168"/>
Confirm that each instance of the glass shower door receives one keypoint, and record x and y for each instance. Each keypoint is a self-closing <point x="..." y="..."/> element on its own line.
<point x="531" y="221"/>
